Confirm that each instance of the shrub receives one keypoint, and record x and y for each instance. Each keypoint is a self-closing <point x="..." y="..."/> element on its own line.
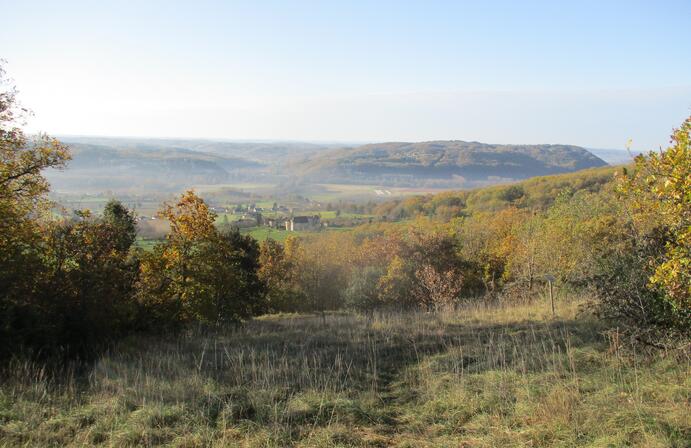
<point x="362" y="293"/>
<point x="647" y="287"/>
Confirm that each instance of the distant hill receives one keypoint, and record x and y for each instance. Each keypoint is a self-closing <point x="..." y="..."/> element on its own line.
<point x="97" y="167"/>
<point x="453" y="162"/>
<point x="164" y="165"/>
<point x="268" y="152"/>
<point x="144" y="165"/>
<point x="93" y="156"/>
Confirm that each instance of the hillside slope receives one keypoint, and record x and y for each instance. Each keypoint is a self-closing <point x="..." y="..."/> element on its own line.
<point x="534" y="193"/>
<point x="459" y="162"/>
<point x="97" y="167"/>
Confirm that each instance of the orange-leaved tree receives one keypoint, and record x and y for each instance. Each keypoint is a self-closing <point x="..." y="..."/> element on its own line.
<point x="199" y="273"/>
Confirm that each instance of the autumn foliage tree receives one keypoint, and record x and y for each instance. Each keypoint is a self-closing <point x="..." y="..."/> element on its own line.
<point x="22" y="201"/>
<point x="22" y="187"/>
<point x="88" y="280"/>
<point x="200" y="273"/>
<point x="659" y="189"/>
<point x="434" y="289"/>
<point x="278" y="271"/>
<point x="427" y="271"/>
<point x="655" y="302"/>
<point x="488" y="240"/>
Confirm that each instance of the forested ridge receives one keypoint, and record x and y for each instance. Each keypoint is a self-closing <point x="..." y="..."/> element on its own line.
<point x="464" y="161"/>
<point x="138" y="165"/>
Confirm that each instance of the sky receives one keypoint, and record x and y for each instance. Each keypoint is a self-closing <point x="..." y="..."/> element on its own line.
<point x="590" y="73"/>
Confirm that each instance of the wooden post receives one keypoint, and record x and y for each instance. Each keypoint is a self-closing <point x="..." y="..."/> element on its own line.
<point x="550" y="279"/>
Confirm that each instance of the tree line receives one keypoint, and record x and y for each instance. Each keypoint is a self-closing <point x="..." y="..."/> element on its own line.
<point x="69" y="287"/>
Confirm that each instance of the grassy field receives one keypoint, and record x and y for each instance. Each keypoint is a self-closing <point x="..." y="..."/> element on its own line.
<point x="323" y="214"/>
<point x="263" y="233"/>
<point x="145" y="243"/>
<point x="346" y="192"/>
<point x="317" y="192"/>
<point x="477" y="377"/>
<point x="331" y="214"/>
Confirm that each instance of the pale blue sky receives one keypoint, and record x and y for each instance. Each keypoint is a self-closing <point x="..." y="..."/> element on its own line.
<point x="592" y="73"/>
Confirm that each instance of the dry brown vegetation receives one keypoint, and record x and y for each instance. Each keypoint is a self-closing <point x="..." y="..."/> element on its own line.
<point x="481" y="376"/>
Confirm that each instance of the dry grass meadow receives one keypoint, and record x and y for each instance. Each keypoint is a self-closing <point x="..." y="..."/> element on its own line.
<point x="479" y="376"/>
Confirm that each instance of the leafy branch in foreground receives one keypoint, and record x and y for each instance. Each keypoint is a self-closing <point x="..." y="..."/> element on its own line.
<point x="648" y="284"/>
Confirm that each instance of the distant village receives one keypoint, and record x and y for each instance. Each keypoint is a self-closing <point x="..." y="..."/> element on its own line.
<point x="278" y="217"/>
<point x="252" y="216"/>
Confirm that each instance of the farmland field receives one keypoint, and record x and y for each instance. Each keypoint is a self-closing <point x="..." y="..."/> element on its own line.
<point x="264" y="233"/>
<point x="145" y="243"/>
<point x="335" y="192"/>
<point x="316" y="192"/>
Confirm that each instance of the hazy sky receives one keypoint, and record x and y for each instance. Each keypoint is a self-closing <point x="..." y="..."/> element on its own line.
<point x="592" y="73"/>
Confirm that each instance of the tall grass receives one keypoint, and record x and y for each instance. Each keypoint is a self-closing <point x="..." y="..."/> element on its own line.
<point x="477" y="376"/>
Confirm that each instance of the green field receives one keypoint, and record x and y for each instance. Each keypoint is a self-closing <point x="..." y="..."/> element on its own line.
<point x="331" y="214"/>
<point x="323" y="193"/>
<point x="478" y="377"/>
<point x="264" y="233"/>
<point x="264" y="196"/>
<point x="145" y="243"/>
<point x="348" y="192"/>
